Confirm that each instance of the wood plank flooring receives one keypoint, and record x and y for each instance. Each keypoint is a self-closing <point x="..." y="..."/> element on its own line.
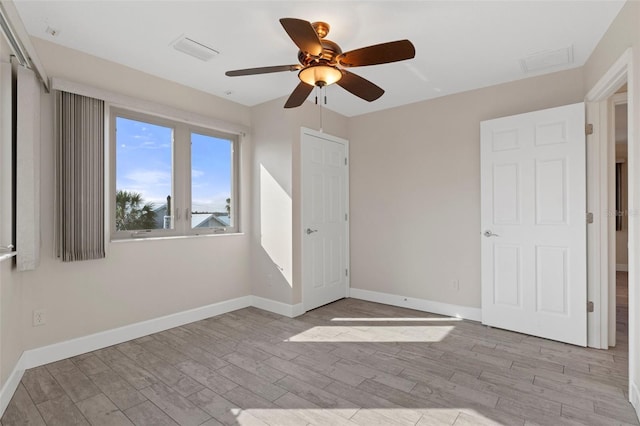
<point x="347" y="363"/>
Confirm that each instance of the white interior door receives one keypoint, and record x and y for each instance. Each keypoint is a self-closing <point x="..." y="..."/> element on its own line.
<point x="324" y="219"/>
<point x="534" y="224"/>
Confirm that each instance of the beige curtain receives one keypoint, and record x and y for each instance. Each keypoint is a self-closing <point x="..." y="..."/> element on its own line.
<point x="80" y="177"/>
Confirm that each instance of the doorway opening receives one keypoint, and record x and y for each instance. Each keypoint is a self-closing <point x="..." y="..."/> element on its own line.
<point x="619" y="287"/>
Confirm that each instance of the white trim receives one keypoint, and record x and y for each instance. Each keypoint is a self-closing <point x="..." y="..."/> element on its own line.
<point x="597" y="232"/>
<point x="57" y="351"/>
<point x="457" y="311"/>
<point x="611" y="81"/>
<point x="601" y="247"/>
<point x="634" y="397"/>
<point x="297" y="310"/>
<point x="622" y="70"/>
<point x="139" y="105"/>
<point x="620" y="98"/>
<point x="622" y="267"/>
<point x="10" y="386"/>
<point x="276" y="307"/>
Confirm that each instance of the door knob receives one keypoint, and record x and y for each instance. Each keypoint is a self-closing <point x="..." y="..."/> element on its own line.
<point x="488" y="234"/>
<point x="311" y="231"/>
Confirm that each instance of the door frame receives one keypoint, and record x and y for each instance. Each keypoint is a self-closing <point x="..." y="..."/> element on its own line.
<point x="601" y="256"/>
<point x="612" y="102"/>
<point x="304" y="134"/>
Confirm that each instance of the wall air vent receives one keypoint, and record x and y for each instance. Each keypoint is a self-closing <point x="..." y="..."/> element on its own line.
<point x="548" y="59"/>
<point x="194" y="48"/>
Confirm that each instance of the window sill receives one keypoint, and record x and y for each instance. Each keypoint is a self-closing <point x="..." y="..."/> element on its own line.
<point x="4" y="255"/>
<point x="174" y="237"/>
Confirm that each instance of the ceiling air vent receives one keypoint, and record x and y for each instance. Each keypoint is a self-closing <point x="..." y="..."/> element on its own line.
<point x="548" y="59"/>
<point x="193" y="48"/>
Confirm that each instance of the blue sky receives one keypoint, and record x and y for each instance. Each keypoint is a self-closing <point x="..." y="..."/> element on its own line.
<point x="144" y="159"/>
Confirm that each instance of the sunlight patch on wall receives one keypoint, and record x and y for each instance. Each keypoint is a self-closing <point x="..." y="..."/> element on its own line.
<point x="276" y="224"/>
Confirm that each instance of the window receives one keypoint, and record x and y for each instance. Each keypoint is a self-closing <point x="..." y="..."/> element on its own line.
<point x="171" y="178"/>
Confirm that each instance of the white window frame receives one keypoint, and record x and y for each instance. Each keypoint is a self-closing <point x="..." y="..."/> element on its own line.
<point x="181" y="176"/>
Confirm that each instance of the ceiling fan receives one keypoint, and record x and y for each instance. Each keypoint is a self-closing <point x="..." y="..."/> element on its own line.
<point x="322" y="62"/>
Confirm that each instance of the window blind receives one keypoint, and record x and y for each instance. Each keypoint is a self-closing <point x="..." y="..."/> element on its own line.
<point x="80" y="178"/>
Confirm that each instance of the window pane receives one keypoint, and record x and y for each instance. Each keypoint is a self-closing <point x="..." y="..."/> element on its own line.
<point x="211" y="190"/>
<point x="143" y="175"/>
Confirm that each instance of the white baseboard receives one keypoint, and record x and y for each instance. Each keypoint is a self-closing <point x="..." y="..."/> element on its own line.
<point x="10" y="386"/>
<point x="57" y="351"/>
<point x="297" y="310"/>
<point x="276" y="307"/>
<point x="440" y="308"/>
<point x="634" y="397"/>
<point x="622" y="267"/>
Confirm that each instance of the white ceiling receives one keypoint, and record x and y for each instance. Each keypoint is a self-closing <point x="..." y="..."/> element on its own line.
<point x="460" y="45"/>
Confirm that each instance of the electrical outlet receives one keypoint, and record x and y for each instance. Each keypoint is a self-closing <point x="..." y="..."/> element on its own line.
<point x="39" y="318"/>
<point x="455" y="284"/>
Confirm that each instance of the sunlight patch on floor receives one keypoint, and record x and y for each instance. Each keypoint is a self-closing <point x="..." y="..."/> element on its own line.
<point x="399" y="319"/>
<point x="373" y="334"/>
<point x="356" y="415"/>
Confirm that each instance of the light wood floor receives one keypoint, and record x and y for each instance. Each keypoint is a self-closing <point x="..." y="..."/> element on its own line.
<point x="347" y="363"/>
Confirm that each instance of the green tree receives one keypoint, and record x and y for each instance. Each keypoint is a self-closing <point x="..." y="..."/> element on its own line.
<point x="133" y="213"/>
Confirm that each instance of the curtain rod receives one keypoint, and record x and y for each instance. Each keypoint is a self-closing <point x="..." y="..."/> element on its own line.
<point x="19" y="41"/>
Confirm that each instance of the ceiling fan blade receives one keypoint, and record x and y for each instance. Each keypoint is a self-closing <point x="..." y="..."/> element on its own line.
<point x="384" y="53"/>
<point x="303" y="35"/>
<point x="359" y="86"/>
<point x="262" y="70"/>
<point x="299" y="95"/>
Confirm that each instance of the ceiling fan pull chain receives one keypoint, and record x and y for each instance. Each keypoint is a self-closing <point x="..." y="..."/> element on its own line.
<point x="321" y="112"/>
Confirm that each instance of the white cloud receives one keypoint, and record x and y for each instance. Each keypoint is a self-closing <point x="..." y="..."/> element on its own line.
<point x="143" y="177"/>
<point x="217" y="203"/>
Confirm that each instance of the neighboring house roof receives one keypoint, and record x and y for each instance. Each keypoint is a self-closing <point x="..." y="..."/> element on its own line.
<point x="198" y="220"/>
<point x="224" y="219"/>
<point x="208" y="220"/>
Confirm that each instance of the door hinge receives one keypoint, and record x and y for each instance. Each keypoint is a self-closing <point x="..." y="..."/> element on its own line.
<point x="590" y="307"/>
<point x="589" y="217"/>
<point x="346" y="272"/>
<point x="345" y="161"/>
<point x="346" y="216"/>
<point x="588" y="129"/>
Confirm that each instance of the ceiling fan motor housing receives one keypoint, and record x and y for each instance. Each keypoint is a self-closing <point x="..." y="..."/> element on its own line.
<point x="330" y="52"/>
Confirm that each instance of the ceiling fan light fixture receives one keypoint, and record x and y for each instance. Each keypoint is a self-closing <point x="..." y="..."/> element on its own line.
<point x="320" y="75"/>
